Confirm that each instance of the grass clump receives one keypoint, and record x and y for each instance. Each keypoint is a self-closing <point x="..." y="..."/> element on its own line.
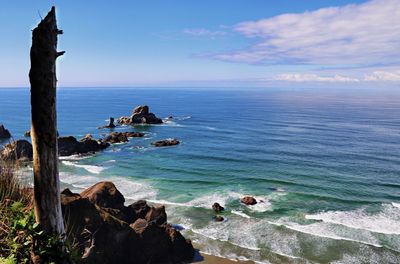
<point x="22" y="240"/>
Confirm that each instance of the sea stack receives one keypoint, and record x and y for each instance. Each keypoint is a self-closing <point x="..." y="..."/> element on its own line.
<point x="140" y="115"/>
<point x="110" y="124"/>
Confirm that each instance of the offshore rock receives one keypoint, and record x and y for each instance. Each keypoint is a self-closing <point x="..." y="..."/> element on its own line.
<point x="120" y="137"/>
<point x="140" y="115"/>
<point x="110" y="124"/>
<point x="69" y="145"/>
<point x="217" y="208"/>
<point x="165" y="143"/>
<point x="218" y="218"/>
<point x="248" y="200"/>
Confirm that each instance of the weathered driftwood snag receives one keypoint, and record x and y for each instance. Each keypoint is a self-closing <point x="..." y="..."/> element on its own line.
<point x="43" y="81"/>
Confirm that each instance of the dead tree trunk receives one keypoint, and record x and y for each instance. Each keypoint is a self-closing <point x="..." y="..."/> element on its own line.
<point x="43" y="81"/>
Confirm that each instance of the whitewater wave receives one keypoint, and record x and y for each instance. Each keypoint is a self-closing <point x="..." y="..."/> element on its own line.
<point x="74" y="157"/>
<point x="325" y="230"/>
<point x="131" y="190"/>
<point x="385" y="222"/>
<point x="263" y="202"/>
<point x="223" y="198"/>
<point x="183" y="118"/>
<point x="172" y="123"/>
<point x="240" y="213"/>
<point x="90" y="168"/>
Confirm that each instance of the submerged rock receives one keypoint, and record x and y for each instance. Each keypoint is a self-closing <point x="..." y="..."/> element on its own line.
<point x="110" y="124"/>
<point x="248" y="200"/>
<point x="17" y="150"/>
<point x="4" y="133"/>
<point x="217" y="208"/>
<point x="104" y="237"/>
<point x="219" y="218"/>
<point x="140" y="115"/>
<point x="119" y="137"/>
<point x="165" y="143"/>
<point x="70" y="145"/>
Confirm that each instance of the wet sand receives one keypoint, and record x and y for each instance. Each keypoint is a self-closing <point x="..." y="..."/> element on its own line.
<point x="209" y="259"/>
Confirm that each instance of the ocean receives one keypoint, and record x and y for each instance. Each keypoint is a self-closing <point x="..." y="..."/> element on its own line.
<point x="324" y="163"/>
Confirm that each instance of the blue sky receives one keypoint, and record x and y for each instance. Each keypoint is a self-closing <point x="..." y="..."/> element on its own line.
<point x="210" y="43"/>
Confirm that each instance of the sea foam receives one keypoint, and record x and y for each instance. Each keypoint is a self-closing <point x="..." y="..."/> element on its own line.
<point x="132" y="190"/>
<point x="90" y="168"/>
<point x="386" y="221"/>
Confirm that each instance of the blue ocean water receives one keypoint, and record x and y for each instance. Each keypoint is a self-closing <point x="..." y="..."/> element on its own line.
<point x="325" y="165"/>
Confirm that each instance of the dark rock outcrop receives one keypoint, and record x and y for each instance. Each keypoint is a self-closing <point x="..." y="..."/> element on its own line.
<point x="28" y="133"/>
<point x="104" y="237"/>
<point x="119" y="137"/>
<point x="69" y="145"/>
<point x="17" y="150"/>
<point x="104" y="194"/>
<point x="4" y="133"/>
<point x="110" y="124"/>
<point x="217" y="208"/>
<point x="140" y="115"/>
<point x="165" y="143"/>
<point x="248" y="200"/>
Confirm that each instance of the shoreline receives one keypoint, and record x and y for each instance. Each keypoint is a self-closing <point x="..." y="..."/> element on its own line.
<point x="206" y="258"/>
<point x="211" y="259"/>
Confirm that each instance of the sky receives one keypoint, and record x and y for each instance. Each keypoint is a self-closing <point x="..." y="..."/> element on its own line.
<point x="225" y="43"/>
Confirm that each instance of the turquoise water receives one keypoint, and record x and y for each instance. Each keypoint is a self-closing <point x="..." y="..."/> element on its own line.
<point x="325" y="163"/>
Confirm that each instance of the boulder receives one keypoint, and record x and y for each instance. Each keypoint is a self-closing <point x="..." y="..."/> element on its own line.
<point x="137" y="210"/>
<point x="162" y="243"/>
<point x="69" y="145"/>
<point x="140" y="115"/>
<point x="104" y="194"/>
<point x="17" y="150"/>
<point x="157" y="215"/>
<point x="103" y="238"/>
<point x="110" y="124"/>
<point x="217" y="208"/>
<point x="4" y="133"/>
<point x="165" y="143"/>
<point x="139" y="225"/>
<point x="119" y="137"/>
<point x="248" y="200"/>
<point x="141" y="210"/>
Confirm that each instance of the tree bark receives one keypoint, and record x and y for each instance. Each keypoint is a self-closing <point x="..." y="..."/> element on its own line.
<point x="43" y="81"/>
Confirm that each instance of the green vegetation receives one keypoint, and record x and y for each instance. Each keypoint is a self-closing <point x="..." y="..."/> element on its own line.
<point x="22" y="240"/>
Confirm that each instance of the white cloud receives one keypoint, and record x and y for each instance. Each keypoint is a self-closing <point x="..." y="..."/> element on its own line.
<point x="202" y="32"/>
<point x="376" y="76"/>
<point x="297" y="77"/>
<point x="362" y="34"/>
<point x="383" y="76"/>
